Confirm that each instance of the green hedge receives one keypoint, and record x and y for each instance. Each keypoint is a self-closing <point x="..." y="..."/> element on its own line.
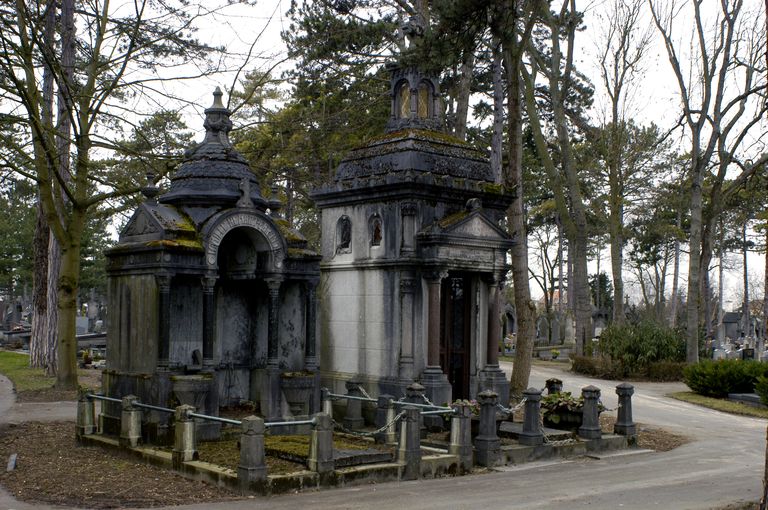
<point x="721" y="377"/>
<point x="605" y="368"/>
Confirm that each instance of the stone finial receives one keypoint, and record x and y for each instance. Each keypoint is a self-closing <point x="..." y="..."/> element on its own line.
<point x="245" y="200"/>
<point x="150" y="190"/>
<point x="217" y="122"/>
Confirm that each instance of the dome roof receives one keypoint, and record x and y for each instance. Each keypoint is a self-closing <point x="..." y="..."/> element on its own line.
<point x="213" y="173"/>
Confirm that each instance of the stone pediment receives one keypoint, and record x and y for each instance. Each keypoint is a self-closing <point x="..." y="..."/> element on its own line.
<point x="153" y="222"/>
<point x="467" y="226"/>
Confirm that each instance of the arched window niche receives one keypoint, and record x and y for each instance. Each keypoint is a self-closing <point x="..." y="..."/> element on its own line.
<point x="376" y="230"/>
<point x="424" y="100"/>
<point x="403" y="100"/>
<point x="344" y="235"/>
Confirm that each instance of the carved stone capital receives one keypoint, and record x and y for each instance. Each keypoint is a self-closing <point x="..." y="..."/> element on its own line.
<point x="407" y="285"/>
<point x="208" y="283"/>
<point x="408" y="209"/>
<point x="163" y="283"/>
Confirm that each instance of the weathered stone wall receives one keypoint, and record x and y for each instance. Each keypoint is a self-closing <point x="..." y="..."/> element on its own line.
<point x="186" y="331"/>
<point x="133" y="327"/>
<point x="292" y="326"/>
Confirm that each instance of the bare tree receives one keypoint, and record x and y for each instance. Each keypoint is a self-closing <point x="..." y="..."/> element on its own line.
<point x="723" y="109"/>
<point x="622" y="47"/>
<point x="557" y="71"/>
<point x="123" y="52"/>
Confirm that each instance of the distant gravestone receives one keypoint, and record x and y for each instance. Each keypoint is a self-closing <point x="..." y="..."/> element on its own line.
<point x="81" y="325"/>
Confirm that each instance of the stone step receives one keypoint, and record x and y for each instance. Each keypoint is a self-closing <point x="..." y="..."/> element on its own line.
<point x="349" y="458"/>
<point x="513" y="429"/>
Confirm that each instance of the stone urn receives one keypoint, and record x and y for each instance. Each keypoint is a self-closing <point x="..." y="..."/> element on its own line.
<point x="297" y="388"/>
<point x="192" y="389"/>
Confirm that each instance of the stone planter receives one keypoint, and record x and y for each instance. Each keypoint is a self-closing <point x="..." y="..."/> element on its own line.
<point x="297" y="388"/>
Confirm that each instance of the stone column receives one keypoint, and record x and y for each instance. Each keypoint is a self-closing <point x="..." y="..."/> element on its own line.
<point x="532" y="434"/>
<point x="624" y="424"/>
<point x="494" y="325"/>
<point x="310" y="347"/>
<point x="184" y="445"/>
<point x="321" y="445"/>
<point x="492" y="377"/>
<point x="311" y="362"/>
<point x="209" y="317"/>
<point x="163" y="320"/>
<point x="130" y="422"/>
<point x="273" y="340"/>
<point x="433" y="319"/>
<point x="434" y="380"/>
<point x="409" y="449"/>
<point x="461" y="437"/>
<point x="487" y="443"/>
<point x="407" y="289"/>
<point x="590" y="423"/>
<point x="252" y="467"/>
<point x="272" y="388"/>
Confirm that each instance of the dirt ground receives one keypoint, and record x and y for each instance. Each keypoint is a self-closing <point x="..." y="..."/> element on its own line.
<point x="87" y="378"/>
<point x="51" y="469"/>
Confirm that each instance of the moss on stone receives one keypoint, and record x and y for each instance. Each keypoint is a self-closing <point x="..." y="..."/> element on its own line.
<point x="452" y="219"/>
<point x="176" y="243"/>
<point x="496" y="189"/>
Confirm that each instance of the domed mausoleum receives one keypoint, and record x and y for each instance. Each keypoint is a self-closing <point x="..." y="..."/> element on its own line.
<point x="212" y="294"/>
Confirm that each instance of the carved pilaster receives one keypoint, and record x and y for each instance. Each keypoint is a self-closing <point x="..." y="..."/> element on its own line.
<point x="163" y="282"/>
<point x="273" y="342"/>
<point x="408" y="213"/>
<point x="433" y="279"/>
<point x="407" y="289"/>
<point x="209" y="316"/>
<point x="310" y="349"/>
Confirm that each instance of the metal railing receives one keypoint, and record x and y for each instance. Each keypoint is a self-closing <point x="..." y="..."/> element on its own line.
<point x="200" y="416"/>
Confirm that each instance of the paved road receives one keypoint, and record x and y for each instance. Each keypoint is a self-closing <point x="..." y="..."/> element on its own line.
<point x="723" y="464"/>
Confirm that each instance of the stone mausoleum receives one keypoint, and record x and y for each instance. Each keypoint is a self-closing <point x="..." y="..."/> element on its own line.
<point x="212" y="295"/>
<point x="413" y="258"/>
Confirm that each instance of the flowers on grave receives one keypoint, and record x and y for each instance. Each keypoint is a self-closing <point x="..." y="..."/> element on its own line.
<point x="555" y="353"/>
<point x="564" y="409"/>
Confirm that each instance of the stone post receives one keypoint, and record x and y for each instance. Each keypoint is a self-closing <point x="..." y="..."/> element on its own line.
<point x="130" y="422"/>
<point x="487" y="443"/>
<point x="624" y="424"/>
<point x="461" y="437"/>
<point x="590" y="423"/>
<point x="85" y="416"/>
<point x="321" y="445"/>
<point x="385" y="413"/>
<point x="409" y="449"/>
<point x="353" y="419"/>
<point x="532" y="435"/>
<point x="414" y="394"/>
<point x="209" y="316"/>
<point x="184" y="444"/>
<point x="327" y="402"/>
<point x="554" y="385"/>
<point x="252" y="467"/>
<point x="164" y="319"/>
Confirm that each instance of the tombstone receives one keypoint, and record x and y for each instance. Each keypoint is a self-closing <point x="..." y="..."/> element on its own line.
<point x="212" y="294"/>
<point x="81" y="325"/>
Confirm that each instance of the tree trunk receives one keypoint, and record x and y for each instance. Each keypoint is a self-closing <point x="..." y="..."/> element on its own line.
<point x="676" y="273"/>
<point x="462" y="95"/>
<point x="39" y="354"/>
<point x="745" y="306"/>
<point x="498" y="114"/>
<point x="720" y="280"/>
<point x="52" y="307"/>
<point x="66" y="378"/>
<point x="525" y="307"/>
<point x="692" y="305"/>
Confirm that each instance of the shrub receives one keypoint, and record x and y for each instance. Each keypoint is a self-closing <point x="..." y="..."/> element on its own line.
<point x="719" y="378"/>
<point x="666" y="371"/>
<point x="603" y="367"/>
<point x="761" y="388"/>
<point x="637" y="346"/>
